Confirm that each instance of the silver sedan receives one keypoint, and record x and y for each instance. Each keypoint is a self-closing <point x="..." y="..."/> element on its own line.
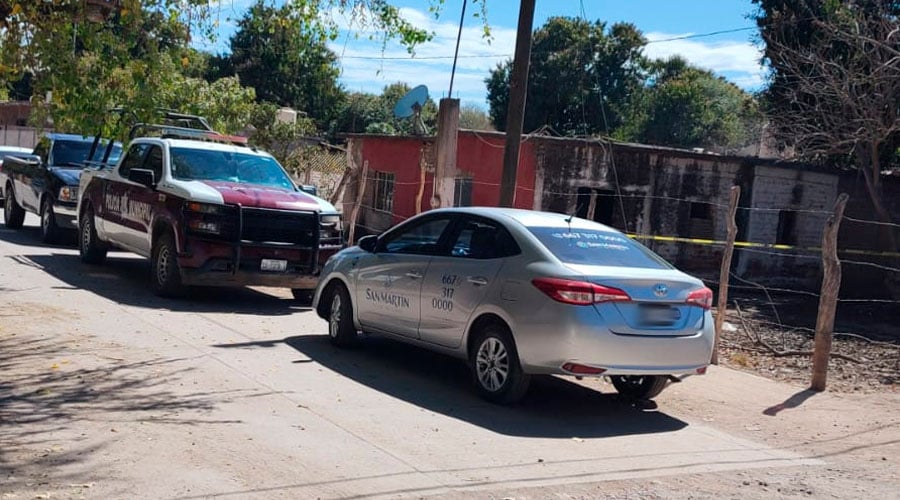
<point x="518" y="293"/>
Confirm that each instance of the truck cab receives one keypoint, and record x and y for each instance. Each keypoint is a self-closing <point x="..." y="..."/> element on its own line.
<point x="207" y="209"/>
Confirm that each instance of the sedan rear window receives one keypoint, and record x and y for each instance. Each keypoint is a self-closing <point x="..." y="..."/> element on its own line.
<point x="597" y="248"/>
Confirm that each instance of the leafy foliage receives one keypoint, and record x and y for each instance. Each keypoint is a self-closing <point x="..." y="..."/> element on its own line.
<point x="92" y="55"/>
<point x="688" y="107"/>
<point x="575" y="66"/>
<point x="275" y="52"/>
<point x="361" y="112"/>
<point x="474" y="118"/>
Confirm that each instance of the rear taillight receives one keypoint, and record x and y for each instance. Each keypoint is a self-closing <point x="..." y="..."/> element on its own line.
<point x="702" y="297"/>
<point x="579" y="293"/>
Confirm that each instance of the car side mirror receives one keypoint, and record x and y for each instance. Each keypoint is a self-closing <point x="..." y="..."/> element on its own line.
<point x="142" y="176"/>
<point x="308" y="189"/>
<point x="368" y="243"/>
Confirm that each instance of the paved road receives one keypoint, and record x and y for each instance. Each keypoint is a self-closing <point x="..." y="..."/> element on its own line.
<point x="110" y="391"/>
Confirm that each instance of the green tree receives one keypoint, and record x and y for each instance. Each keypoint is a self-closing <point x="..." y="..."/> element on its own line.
<point x="474" y="118"/>
<point x="361" y="112"/>
<point x="688" y="107"/>
<point x="288" y="64"/>
<point x="576" y="66"/>
<point x="88" y="58"/>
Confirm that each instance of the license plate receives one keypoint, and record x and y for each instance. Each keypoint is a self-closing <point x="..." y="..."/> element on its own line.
<point x="273" y="265"/>
<point x="658" y="315"/>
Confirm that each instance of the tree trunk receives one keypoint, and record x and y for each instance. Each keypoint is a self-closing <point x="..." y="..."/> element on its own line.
<point x="870" y="164"/>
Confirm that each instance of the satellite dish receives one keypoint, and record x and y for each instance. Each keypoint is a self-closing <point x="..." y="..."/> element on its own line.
<point x="411" y="105"/>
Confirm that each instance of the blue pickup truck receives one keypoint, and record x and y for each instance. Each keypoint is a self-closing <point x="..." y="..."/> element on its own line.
<point x="46" y="183"/>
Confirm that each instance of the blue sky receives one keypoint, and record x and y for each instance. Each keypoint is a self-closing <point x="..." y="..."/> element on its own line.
<point x="367" y="66"/>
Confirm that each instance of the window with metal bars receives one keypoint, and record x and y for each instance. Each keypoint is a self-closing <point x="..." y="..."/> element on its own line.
<point x="384" y="191"/>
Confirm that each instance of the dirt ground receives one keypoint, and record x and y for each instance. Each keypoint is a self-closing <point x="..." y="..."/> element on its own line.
<point x="866" y="345"/>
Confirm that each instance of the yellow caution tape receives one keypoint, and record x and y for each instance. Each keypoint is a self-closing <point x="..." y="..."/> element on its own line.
<point x="750" y="244"/>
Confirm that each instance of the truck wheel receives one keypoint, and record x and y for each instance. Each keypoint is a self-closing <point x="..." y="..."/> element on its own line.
<point x="494" y="362"/>
<point x="50" y="231"/>
<point x="303" y="296"/>
<point x="91" y="249"/>
<point x="13" y="214"/>
<point x="166" y="275"/>
<point x="640" y="386"/>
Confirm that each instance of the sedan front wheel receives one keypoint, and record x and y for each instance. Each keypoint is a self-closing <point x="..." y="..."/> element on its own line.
<point x="341" y="331"/>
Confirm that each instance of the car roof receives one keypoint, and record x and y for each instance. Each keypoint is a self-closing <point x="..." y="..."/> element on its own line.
<point x="531" y="218"/>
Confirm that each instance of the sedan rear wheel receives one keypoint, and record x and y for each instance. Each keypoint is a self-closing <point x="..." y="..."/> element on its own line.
<point x="341" y="331"/>
<point x="640" y="386"/>
<point x="495" y="366"/>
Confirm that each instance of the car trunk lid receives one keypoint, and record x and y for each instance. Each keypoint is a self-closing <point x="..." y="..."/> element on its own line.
<point x="658" y="300"/>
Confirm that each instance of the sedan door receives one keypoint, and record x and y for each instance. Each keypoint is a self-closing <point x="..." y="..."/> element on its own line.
<point x="389" y="281"/>
<point x="460" y="280"/>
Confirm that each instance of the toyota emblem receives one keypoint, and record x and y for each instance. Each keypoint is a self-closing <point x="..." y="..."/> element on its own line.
<point x="660" y="290"/>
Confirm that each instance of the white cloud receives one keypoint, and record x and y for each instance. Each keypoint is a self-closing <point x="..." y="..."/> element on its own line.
<point x="368" y="65"/>
<point x="738" y="61"/>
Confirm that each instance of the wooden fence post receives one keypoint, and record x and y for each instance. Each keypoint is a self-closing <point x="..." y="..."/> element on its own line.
<point x="831" y="285"/>
<point x="360" y="190"/>
<point x="722" y="303"/>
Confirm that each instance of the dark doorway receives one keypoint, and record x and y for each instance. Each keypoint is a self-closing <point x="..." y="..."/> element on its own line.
<point x="604" y="206"/>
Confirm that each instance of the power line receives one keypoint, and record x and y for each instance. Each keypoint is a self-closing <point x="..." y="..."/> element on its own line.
<point x="700" y="35"/>
<point x="485" y="56"/>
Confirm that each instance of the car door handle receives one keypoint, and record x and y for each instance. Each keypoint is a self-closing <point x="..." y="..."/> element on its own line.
<point x="477" y="280"/>
<point x="414" y="275"/>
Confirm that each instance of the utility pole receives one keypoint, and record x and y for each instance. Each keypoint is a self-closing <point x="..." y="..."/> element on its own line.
<point x="515" y="114"/>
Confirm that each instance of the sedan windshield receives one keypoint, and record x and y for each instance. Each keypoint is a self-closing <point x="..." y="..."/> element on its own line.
<point x="227" y="166"/>
<point x="597" y="248"/>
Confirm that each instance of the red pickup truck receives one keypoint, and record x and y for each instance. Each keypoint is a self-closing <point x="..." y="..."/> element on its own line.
<point x="206" y="209"/>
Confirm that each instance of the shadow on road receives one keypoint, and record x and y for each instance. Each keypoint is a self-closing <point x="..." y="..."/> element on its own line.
<point x="125" y="279"/>
<point x="31" y="236"/>
<point x="553" y="408"/>
<point x="791" y="402"/>
<point x="52" y="391"/>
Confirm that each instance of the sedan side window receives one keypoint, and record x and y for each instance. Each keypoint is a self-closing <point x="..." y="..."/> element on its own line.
<point x="134" y="159"/>
<point x="483" y="240"/>
<point x="420" y="239"/>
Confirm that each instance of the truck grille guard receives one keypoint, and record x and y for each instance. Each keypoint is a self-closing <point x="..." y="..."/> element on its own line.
<point x="262" y="227"/>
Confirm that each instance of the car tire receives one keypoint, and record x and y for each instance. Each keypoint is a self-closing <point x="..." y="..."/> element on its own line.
<point x="303" y="296"/>
<point x="165" y="274"/>
<point x="341" y="330"/>
<point x="13" y="214"/>
<point x="640" y="386"/>
<point x="50" y="231"/>
<point x="495" y="367"/>
<point x="91" y="249"/>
